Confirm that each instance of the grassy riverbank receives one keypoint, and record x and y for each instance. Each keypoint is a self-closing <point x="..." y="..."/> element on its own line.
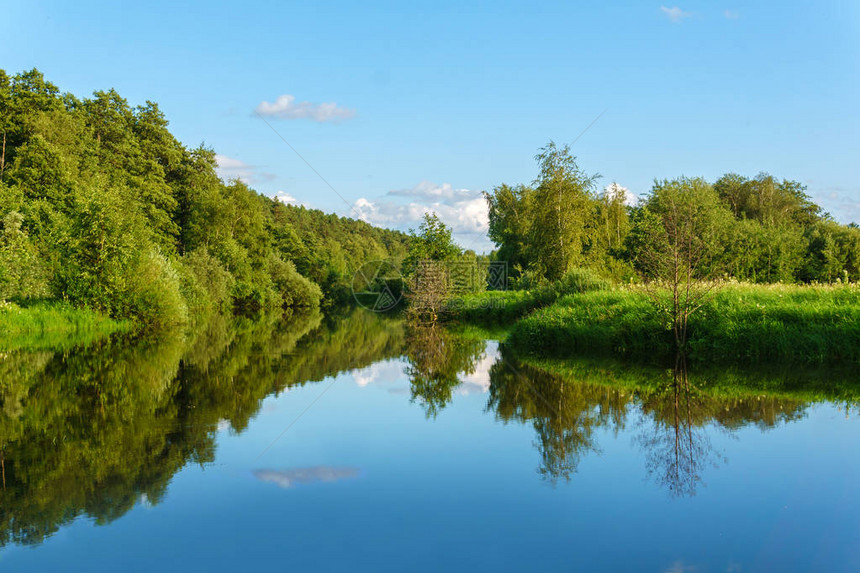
<point x="52" y="325"/>
<point x="746" y="323"/>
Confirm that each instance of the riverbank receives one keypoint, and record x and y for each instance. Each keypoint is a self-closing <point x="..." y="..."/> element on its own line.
<point x="53" y="325"/>
<point x="742" y="323"/>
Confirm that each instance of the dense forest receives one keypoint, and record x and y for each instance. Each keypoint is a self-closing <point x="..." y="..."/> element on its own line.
<point x="760" y="230"/>
<point x="103" y="208"/>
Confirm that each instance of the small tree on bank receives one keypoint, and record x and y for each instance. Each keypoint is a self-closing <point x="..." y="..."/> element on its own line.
<point x="678" y="243"/>
<point x="427" y="270"/>
<point x="429" y="287"/>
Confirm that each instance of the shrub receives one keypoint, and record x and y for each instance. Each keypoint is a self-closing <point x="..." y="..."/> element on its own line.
<point x="579" y="280"/>
<point x="22" y="273"/>
<point x="293" y="289"/>
<point x="152" y="294"/>
<point x="205" y="284"/>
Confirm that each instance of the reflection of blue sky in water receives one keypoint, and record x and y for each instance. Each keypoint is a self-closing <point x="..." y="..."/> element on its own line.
<point x="389" y="374"/>
<point x="301" y="476"/>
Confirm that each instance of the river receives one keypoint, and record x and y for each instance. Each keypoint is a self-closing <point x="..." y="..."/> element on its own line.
<point x="355" y="443"/>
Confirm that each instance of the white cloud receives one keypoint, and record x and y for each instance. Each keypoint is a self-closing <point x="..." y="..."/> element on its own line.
<point x="731" y="14"/>
<point x="231" y="168"/>
<point x="842" y="204"/>
<point x="285" y="198"/>
<point x="674" y="14"/>
<point x="288" y="199"/>
<point x="464" y="210"/>
<point x="286" y="107"/>
<point x="630" y="199"/>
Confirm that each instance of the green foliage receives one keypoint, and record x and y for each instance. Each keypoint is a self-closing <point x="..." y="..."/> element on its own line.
<point x="682" y="227"/>
<point x="297" y="291"/>
<point x="105" y="209"/>
<point x="510" y="219"/>
<point x="205" y="284"/>
<point x="756" y="230"/>
<point x="329" y="249"/>
<point x="22" y="272"/>
<point x="562" y="206"/>
<point x="432" y="242"/>
<point x="154" y="297"/>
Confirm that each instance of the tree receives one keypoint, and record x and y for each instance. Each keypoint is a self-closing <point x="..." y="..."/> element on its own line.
<point x="427" y="268"/>
<point x="563" y="208"/>
<point x="678" y="243"/>
<point x="432" y="242"/>
<point x="22" y="273"/>
<point x="510" y="219"/>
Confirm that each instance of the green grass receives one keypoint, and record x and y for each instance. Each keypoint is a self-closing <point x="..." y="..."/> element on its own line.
<point x="746" y="323"/>
<point x="504" y="307"/>
<point x="53" y="325"/>
<point x="498" y="307"/>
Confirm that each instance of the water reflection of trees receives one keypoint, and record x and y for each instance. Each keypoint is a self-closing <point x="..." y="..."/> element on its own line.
<point x="677" y="444"/>
<point x="564" y="415"/>
<point x="568" y="406"/>
<point x="437" y="359"/>
<point x="95" y="430"/>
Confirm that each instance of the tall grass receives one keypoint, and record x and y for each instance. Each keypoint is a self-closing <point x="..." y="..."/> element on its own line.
<point x="53" y="325"/>
<point x="504" y="307"/>
<point x="747" y="323"/>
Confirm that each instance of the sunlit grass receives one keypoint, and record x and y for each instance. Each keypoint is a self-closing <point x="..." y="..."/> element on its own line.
<point x="53" y="325"/>
<point x="743" y="322"/>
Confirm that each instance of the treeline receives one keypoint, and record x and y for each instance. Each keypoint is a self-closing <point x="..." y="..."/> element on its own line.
<point x="762" y="230"/>
<point x="103" y="207"/>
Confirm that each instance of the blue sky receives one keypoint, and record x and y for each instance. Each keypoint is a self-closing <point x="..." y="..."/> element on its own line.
<point x="434" y="103"/>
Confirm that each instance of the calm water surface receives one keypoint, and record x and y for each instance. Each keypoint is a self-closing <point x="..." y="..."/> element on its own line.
<point x="355" y="444"/>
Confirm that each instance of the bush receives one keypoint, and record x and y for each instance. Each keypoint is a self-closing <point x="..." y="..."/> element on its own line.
<point x="22" y="273"/>
<point x="152" y="296"/>
<point x="205" y="284"/>
<point x="579" y="280"/>
<point x="294" y="289"/>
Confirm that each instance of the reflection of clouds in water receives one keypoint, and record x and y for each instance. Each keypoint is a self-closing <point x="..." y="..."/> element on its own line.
<point x="478" y="382"/>
<point x="680" y="567"/>
<point x="391" y="373"/>
<point x="143" y="500"/>
<point x="289" y="478"/>
<point x="384" y="372"/>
